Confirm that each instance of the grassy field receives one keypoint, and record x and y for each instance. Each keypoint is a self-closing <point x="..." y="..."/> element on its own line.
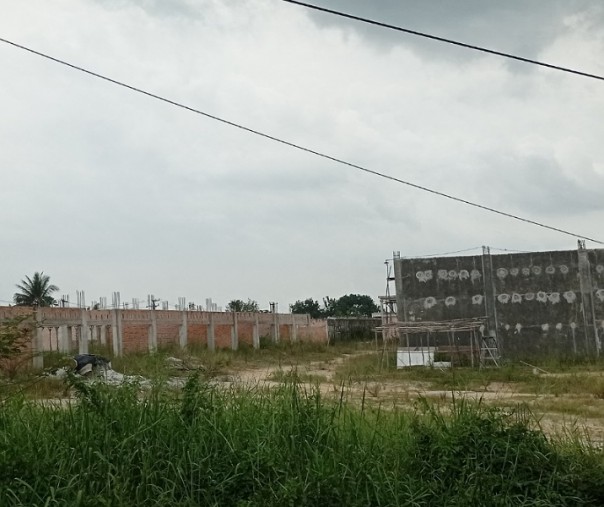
<point x="287" y="445"/>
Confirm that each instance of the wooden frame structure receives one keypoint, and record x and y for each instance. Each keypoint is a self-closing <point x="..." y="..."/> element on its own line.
<point x="481" y="350"/>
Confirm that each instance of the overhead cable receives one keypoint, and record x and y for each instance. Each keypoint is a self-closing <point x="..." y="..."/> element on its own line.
<point x="447" y="41"/>
<point x="300" y="147"/>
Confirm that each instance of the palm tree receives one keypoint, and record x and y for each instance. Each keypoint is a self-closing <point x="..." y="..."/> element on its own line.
<point x="35" y="291"/>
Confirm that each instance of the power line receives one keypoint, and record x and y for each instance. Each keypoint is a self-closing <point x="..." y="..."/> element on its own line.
<point x="300" y="147"/>
<point x="447" y="41"/>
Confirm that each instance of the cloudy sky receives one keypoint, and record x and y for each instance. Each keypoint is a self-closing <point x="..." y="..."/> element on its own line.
<point x="108" y="190"/>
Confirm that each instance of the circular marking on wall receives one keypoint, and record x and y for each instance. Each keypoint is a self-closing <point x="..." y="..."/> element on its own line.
<point x="536" y="270"/>
<point x="477" y="299"/>
<point x="554" y="298"/>
<point x="514" y="271"/>
<point x="526" y="271"/>
<point x="442" y="274"/>
<point x="503" y="298"/>
<point x="550" y="270"/>
<point x="529" y="296"/>
<point x="450" y="301"/>
<point x="559" y="326"/>
<point x="452" y="275"/>
<point x="502" y="273"/>
<point x="564" y="269"/>
<point x="545" y="327"/>
<point x="516" y="298"/>
<point x="475" y="275"/>
<point x="573" y="326"/>
<point x="428" y="275"/>
<point x="570" y="296"/>
<point x="429" y="302"/>
<point x="464" y="274"/>
<point x="600" y="294"/>
<point x="421" y="276"/>
<point x="600" y="269"/>
<point x="507" y="327"/>
<point x="541" y="297"/>
<point x="518" y="327"/>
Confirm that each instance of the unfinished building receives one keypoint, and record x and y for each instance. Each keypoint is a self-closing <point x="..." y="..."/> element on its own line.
<point x="479" y="308"/>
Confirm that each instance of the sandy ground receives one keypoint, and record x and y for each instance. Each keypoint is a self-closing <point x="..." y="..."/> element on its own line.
<point x="547" y="410"/>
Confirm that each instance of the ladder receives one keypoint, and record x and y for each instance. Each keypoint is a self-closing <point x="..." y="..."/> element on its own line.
<point x="489" y="352"/>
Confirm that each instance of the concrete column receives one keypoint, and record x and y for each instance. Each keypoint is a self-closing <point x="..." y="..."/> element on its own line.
<point x="234" y="333"/>
<point x="116" y="333"/>
<point x="84" y="333"/>
<point x="103" y="335"/>
<point x="211" y="333"/>
<point x="256" y="333"/>
<point x="153" y="332"/>
<point x="64" y="339"/>
<point x="276" y="327"/>
<point x="590" y="327"/>
<point x="293" y="333"/>
<point x="56" y="330"/>
<point x="38" y="342"/>
<point x="183" y="331"/>
<point x="488" y="279"/>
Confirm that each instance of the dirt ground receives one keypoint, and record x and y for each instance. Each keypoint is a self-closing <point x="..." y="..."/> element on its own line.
<point x="579" y="414"/>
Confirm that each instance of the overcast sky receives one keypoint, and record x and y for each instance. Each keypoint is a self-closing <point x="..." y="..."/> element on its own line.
<point x="107" y="190"/>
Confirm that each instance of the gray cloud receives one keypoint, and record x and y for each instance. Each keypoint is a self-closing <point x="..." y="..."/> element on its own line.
<point x="107" y="190"/>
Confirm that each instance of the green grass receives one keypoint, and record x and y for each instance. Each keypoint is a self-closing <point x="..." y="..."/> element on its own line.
<point x="519" y="377"/>
<point x="279" y="447"/>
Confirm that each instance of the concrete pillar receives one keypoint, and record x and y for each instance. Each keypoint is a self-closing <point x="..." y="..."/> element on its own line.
<point x="116" y="333"/>
<point x="256" y="333"/>
<point x="211" y="333"/>
<point x="293" y="333"/>
<point x="275" y="327"/>
<point x="183" y="331"/>
<point x="153" y="332"/>
<point x="56" y="330"/>
<point x="234" y="333"/>
<point x="490" y="307"/>
<point x="590" y="328"/>
<point x="103" y="335"/>
<point x="84" y="333"/>
<point x="64" y="339"/>
<point x="38" y="342"/>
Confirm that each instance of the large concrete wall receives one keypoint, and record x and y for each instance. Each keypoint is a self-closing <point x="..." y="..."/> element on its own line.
<point x="536" y="304"/>
<point x="72" y="330"/>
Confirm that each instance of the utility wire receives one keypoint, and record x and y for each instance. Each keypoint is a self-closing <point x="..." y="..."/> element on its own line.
<point x="447" y="41"/>
<point x="300" y="147"/>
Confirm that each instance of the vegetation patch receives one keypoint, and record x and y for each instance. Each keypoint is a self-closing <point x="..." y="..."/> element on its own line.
<point x="283" y="446"/>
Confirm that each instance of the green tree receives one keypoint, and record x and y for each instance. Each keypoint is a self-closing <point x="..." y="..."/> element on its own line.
<point x="309" y="306"/>
<point x="355" y="305"/>
<point x="238" y="305"/>
<point x="35" y="291"/>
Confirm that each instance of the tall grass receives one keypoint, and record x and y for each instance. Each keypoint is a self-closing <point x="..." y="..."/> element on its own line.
<point x="280" y="447"/>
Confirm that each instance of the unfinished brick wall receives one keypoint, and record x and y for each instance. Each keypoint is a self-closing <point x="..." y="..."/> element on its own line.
<point x="125" y="331"/>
